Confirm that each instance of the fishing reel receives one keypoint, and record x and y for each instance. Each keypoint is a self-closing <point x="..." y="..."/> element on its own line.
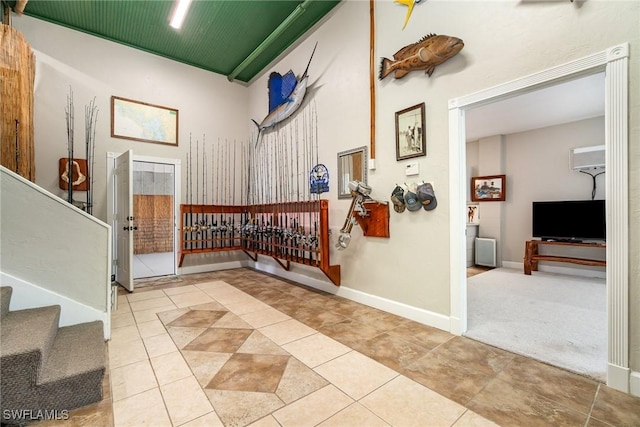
<point x="360" y="192"/>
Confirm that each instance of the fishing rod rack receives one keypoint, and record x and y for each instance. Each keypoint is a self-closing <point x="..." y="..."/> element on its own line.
<point x="288" y="232"/>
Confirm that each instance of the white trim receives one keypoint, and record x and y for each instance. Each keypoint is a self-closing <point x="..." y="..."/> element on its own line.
<point x="52" y="196"/>
<point x="617" y="211"/>
<point x="615" y="63"/>
<point x="205" y="268"/>
<point x="425" y="317"/>
<point x="111" y="206"/>
<point x="27" y="295"/>
<point x="634" y="383"/>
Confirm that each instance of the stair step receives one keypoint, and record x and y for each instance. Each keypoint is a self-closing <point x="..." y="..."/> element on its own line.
<point x="77" y="349"/>
<point x="72" y="376"/>
<point x="5" y="299"/>
<point x="29" y="330"/>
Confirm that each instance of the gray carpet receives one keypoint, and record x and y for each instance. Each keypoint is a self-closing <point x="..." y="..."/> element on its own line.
<point x="554" y="318"/>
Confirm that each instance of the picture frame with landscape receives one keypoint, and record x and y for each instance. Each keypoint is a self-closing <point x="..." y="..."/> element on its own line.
<point x="140" y="121"/>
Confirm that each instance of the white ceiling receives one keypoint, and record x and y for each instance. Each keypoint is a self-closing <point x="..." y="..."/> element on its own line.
<point x="566" y="102"/>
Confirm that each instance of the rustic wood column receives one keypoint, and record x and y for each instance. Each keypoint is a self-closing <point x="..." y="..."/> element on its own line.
<point x="17" y="74"/>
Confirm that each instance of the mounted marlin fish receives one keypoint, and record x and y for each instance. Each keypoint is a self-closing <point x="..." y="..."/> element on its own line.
<point x="286" y="94"/>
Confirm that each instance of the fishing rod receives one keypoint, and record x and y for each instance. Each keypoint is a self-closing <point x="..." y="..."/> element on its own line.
<point x="204" y="224"/>
<point x="190" y="192"/>
<point x="317" y="207"/>
<point x="70" y="119"/>
<point x="91" y="118"/>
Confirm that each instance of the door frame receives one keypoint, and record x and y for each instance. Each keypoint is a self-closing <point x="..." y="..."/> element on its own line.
<point x="614" y="62"/>
<point x="111" y="188"/>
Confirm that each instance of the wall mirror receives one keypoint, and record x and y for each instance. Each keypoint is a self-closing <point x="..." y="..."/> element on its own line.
<point x="352" y="166"/>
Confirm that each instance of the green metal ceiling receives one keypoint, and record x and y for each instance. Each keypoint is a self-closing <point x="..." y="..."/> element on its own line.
<point x="217" y="35"/>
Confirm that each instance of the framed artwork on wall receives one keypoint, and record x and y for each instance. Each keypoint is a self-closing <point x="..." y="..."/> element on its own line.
<point x="410" y="139"/>
<point x="140" y="121"/>
<point x="488" y="188"/>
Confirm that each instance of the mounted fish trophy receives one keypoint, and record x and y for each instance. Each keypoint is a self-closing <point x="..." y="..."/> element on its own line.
<point x="409" y="4"/>
<point x="431" y="51"/>
<point x="286" y="94"/>
<point x="360" y="192"/>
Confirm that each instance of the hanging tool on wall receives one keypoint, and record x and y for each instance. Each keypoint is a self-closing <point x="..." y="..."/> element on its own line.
<point x="360" y="192"/>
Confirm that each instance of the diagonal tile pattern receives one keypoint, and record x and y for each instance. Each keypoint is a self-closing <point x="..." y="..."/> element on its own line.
<point x="239" y="348"/>
<point x="250" y="372"/>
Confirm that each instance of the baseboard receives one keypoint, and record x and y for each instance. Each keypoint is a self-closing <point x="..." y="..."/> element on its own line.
<point x="634" y="383"/>
<point x="419" y="315"/>
<point x="316" y="283"/>
<point x="582" y="272"/>
<point x="27" y="295"/>
<point x="618" y="377"/>
<point x="206" y="268"/>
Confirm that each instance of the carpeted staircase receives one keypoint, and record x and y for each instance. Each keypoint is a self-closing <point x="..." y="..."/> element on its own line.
<point x="45" y="370"/>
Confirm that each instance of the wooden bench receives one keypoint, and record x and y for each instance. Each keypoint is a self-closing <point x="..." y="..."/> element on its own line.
<point x="532" y="257"/>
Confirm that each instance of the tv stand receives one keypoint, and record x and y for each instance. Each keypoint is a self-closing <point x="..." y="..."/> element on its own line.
<point x="531" y="255"/>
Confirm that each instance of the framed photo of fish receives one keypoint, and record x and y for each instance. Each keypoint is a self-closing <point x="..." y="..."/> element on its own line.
<point x="410" y="139"/>
<point x="488" y="188"/>
<point x="140" y="121"/>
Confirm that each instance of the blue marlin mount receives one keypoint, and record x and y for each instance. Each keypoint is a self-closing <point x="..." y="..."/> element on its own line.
<point x="286" y="94"/>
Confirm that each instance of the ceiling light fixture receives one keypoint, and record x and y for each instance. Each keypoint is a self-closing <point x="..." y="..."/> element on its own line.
<point x="179" y="13"/>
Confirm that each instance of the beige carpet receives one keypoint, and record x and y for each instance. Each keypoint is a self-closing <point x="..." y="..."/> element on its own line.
<point x="554" y="318"/>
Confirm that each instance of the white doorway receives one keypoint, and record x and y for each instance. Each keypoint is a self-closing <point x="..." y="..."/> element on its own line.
<point x="163" y="262"/>
<point x="614" y="62"/>
<point x="154" y="210"/>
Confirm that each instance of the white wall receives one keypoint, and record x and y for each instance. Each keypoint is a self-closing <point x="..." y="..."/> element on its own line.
<point x="52" y="245"/>
<point x="207" y="103"/>
<point x="537" y="165"/>
<point x="504" y="40"/>
<point x="525" y="152"/>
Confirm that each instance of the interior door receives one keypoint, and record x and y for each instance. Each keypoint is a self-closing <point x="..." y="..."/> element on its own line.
<point x="124" y="219"/>
<point x="154" y="207"/>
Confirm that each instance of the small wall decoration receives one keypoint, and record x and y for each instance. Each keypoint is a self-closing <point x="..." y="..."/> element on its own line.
<point x="429" y="52"/>
<point x="410" y="140"/>
<point x="319" y="179"/>
<point x="409" y="4"/>
<point x="473" y="214"/>
<point x="79" y="174"/>
<point x="140" y="121"/>
<point x="488" y="188"/>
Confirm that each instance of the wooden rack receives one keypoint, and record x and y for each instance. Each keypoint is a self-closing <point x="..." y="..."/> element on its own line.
<point x="287" y="232"/>
<point x="532" y="257"/>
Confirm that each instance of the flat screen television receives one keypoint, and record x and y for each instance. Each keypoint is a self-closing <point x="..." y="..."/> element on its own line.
<point x="573" y="220"/>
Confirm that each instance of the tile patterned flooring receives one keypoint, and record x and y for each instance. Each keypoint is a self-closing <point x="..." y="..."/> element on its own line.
<point x="239" y="347"/>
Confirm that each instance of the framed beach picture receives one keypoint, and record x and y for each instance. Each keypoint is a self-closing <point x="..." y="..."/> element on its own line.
<point x="488" y="188"/>
<point x="140" y="121"/>
<point x="410" y="140"/>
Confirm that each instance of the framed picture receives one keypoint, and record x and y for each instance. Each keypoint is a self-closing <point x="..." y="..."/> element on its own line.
<point x="488" y="188"/>
<point x="473" y="213"/>
<point x="410" y="141"/>
<point x="140" y="121"/>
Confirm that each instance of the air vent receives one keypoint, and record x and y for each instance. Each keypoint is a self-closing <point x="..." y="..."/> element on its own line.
<point x="585" y="158"/>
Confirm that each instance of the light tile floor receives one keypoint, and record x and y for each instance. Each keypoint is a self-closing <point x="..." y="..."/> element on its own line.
<point x="239" y="347"/>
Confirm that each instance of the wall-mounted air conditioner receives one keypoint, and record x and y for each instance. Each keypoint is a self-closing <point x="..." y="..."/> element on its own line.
<point x="586" y="158"/>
